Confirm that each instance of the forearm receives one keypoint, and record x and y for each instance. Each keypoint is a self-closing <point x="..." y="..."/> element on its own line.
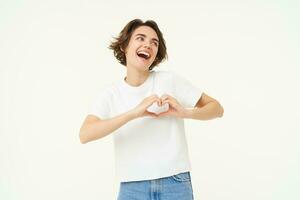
<point x="103" y="128"/>
<point x="209" y="111"/>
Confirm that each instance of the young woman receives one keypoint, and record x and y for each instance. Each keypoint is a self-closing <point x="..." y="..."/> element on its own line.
<point x="145" y="111"/>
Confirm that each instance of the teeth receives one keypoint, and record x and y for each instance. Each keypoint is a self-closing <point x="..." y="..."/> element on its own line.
<point x="144" y="53"/>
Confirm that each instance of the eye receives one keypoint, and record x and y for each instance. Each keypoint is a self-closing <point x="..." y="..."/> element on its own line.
<point x="138" y="38"/>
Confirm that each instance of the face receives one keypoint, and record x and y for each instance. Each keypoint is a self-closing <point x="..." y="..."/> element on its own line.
<point x="142" y="48"/>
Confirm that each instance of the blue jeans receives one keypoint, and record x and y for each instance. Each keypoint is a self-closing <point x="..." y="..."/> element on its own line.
<point x="174" y="187"/>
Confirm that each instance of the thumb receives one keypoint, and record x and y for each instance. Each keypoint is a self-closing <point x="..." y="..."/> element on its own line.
<point x="147" y="113"/>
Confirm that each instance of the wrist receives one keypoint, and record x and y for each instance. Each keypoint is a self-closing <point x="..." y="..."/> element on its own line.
<point x="131" y="115"/>
<point x="187" y="113"/>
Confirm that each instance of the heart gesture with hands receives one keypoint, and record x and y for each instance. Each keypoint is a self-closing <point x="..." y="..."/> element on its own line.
<point x="155" y="106"/>
<point x="175" y="108"/>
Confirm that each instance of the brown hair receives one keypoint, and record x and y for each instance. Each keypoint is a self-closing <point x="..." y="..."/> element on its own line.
<point x="121" y="42"/>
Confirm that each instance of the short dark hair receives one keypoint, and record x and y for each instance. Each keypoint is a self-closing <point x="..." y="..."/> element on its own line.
<point x="121" y="42"/>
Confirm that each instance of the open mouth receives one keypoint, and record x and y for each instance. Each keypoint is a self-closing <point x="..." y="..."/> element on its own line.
<point x="144" y="55"/>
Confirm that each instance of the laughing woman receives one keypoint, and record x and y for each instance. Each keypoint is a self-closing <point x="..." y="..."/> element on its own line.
<point x="146" y="110"/>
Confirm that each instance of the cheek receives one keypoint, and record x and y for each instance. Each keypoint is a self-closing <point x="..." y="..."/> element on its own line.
<point x="131" y="51"/>
<point x="131" y="47"/>
<point x="155" y="53"/>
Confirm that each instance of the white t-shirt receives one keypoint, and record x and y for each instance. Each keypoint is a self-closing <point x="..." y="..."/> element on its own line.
<point x="147" y="147"/>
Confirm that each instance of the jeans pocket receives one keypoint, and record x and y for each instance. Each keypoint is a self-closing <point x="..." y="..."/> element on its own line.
<point x="182" y="177"/>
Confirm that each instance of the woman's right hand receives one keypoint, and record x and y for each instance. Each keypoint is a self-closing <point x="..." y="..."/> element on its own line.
<point x="141" y="109"/>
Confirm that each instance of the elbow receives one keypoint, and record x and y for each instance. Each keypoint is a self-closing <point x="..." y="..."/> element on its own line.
<point x="82" y="141"/>
<point x="82" y="138"/>
<point x="221" y="112"/>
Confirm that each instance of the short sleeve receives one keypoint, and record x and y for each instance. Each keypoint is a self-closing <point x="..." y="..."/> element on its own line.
<point x="185" y="92"/>
<point x="100" y="106"/>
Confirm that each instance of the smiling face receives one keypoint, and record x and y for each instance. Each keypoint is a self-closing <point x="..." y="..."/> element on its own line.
<point x="142" y="48"/>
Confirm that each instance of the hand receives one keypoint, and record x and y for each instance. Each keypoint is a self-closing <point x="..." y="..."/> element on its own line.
<point x="141" y="109"/>
<point x="175" y="109"/>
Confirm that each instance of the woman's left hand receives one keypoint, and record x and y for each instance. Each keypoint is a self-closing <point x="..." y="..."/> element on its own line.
<point x="175" y="109"/>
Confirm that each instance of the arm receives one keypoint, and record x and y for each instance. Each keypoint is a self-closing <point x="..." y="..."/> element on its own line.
<point x="205" y="109"/>
<point x="94" y="128"/>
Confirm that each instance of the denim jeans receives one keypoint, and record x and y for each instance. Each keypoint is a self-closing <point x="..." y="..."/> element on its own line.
<point x="176" y="187"/>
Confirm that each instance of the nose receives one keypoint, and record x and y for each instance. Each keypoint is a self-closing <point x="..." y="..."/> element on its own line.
<point x="147" y="45"/>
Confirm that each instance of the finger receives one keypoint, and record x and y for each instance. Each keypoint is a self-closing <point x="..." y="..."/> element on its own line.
<point x="163" y="114"/>
<point x="171" y="103"/>
<point x="167" y="113"/>
<point x="169" y="98"/>
<point x="151" y="114"/>
<point x="159" y="102"/>
<point x="164" y="97"/>
<point x="154" y="99"/>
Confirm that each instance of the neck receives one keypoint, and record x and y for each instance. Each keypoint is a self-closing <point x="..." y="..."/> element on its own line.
<point x="136" y="78"/>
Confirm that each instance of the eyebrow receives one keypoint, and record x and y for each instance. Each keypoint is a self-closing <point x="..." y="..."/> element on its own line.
<point x="143" y="35"/>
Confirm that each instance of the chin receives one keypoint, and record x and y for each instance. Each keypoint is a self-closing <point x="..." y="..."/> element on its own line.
<point x="143" y="67"/>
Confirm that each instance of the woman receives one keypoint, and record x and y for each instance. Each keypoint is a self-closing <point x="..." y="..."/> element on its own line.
<point x="145" y="111"/>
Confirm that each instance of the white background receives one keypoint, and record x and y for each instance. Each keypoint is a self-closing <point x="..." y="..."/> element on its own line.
<point x="54" y="57"/>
